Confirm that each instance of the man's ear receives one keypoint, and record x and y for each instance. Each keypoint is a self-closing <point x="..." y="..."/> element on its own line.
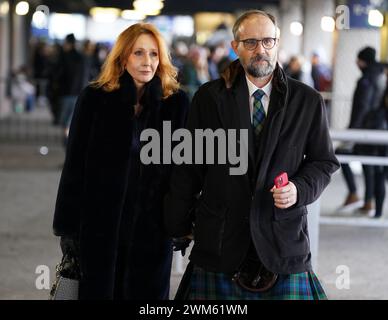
<point x="234" y="45"/>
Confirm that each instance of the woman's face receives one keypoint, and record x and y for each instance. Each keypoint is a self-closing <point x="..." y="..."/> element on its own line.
<point x="143" y="60"/>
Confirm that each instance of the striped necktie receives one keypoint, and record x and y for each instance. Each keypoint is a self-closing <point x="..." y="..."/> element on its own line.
<point x="258" y="112"/>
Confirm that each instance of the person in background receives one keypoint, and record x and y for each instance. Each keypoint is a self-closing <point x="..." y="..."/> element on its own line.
<point x="109" y="207"/>
<point x="22" y="91"/>
<point x="375" y="119"/>
<point x="212" y="62"/>
<point x="195" y="70"/>
<point x="384" y="103"/>
<point x="54" y="90"/>
<point x="294" y="68"/>
<point x="320" y="73"/>
<point x="39" y="63"/>
<point x="366" y="100"/>
<point x="179" y="59"/>
<point x="90" y="64"/>
<point x="322" y="79"/>
<point x="70" y="80"/>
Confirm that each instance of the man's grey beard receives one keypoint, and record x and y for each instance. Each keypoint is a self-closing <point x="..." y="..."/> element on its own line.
<point x="260" y="71"/>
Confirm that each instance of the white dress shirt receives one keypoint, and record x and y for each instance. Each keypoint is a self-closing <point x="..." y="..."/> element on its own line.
<point x="264" y="100"/>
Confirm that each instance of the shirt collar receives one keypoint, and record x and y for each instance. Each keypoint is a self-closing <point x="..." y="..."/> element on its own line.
<point x="252" y="87"/>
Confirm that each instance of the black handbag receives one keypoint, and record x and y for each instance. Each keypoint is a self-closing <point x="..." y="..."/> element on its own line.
<point x="66" y="284"/>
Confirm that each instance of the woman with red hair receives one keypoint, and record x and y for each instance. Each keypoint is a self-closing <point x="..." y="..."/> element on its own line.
<point x="109" y="204"/>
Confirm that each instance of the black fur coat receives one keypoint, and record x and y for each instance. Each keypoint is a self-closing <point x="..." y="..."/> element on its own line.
<point x="124" y="252"/>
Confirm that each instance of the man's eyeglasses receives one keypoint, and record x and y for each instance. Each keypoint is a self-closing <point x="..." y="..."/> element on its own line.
<point x="251" y="44"/>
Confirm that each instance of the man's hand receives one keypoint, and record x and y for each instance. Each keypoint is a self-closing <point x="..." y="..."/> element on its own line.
<point x="285" y="197"/>
<point x="180" y="244"/>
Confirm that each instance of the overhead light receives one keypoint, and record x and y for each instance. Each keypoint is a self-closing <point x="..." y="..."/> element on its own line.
<point x="104" y="15"/>
<point x="296" y="28"/>
<point x="152" y="12"/>
<point x="4" y="8"/>
<point x="148" y="7"/>
<point x="39" y="20"/>
<point x="375" y="18"/>
<point x="132" y="15"/>
<point x="22" y="8"/>
<point x="328" y="24"/>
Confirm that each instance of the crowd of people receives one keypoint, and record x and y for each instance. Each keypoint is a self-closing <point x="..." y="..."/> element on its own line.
<point x="60" y="71"/>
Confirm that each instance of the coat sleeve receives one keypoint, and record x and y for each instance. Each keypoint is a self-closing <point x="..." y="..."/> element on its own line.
<point x="186" y="183"/>
<point x="69" y="197"/>
<point x="320" y="161"/>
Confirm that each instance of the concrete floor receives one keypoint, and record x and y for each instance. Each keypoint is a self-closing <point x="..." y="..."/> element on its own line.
<point x="28" y="188"/>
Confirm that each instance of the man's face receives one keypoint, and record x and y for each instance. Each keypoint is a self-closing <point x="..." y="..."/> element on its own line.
<point x="260" y="62"/>
<point x="361" y="64"/>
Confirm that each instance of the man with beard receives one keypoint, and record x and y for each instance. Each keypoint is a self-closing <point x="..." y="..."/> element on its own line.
<point x="250" y="237"/>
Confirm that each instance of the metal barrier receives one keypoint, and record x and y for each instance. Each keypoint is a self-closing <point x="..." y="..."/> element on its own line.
<point x="362" y="136"/>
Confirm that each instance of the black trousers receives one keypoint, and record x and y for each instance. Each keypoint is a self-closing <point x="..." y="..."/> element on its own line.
<point x="374" y="178"/>
<point x="347" y="171"/>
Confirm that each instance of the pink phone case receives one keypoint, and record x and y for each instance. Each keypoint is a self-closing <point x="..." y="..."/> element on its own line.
<point x="281" y="180"/>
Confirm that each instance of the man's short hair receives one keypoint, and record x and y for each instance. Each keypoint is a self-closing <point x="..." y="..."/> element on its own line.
<point x="247" y="15"/>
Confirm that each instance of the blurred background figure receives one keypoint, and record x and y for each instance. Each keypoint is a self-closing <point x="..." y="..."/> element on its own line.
<point x="53" y="91"/>
<point x="198" y="56"/>
<point x="195" y="71"/>
<point x="384" y="105"/>
<point x="294" y="68"/>
<point x="297" y="69"/>
<point x="179" y="58"/>
<point x="322" y="79"/>
<point x="39" y="63"/>
<point x="22" y="91"/>
<point x="91" y="63"/>
<point x="218" y="59"/>
<point x="71" y="80"/>
<point x="320" y="74"/>
<point x="366" y="102"/>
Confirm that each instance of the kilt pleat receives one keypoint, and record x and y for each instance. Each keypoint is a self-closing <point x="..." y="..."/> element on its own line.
<point x="207" y="285"/>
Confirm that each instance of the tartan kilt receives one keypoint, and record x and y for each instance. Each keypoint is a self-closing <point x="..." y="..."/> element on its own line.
<point x="200" y="284"/>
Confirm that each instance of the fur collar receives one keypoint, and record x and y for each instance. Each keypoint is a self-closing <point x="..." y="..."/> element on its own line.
<point x="128" y="93"/>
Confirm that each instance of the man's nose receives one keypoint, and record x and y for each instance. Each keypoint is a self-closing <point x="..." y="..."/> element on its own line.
<point x="260" y="49"/>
